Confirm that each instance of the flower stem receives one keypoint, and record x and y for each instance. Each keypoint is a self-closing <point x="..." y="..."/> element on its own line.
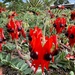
<point x="65" y="46"/>
<point x="44" y="33"/>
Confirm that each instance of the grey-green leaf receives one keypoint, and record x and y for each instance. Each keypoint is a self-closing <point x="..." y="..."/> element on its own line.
<point x="8" y="57"/>
<point x="28" y="71"/>
<point x="24" y="66"/>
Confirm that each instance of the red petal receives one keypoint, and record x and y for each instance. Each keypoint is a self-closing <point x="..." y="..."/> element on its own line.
<point x="23" y="33"/>
<point x="0" y="47"/>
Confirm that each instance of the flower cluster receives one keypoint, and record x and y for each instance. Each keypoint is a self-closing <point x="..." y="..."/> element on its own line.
<point x="60" y="24"/>
<point x="71" y="34"/>
<point x="14" y="27"/>
<point x="41" y="51"/>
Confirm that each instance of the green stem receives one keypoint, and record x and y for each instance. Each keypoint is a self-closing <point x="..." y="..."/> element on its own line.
<point x="44" y="33"/>
<point x="44" y="29"/>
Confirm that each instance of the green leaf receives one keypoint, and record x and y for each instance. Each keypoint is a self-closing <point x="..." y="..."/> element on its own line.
<point x="54" y="66"/>
<point x="28" y="71"/>
<point x="59" y="65"/>
<point x="24" y="67"/>
<point x="9" y="46"/>
<point x="15" y="61"/>
<point x="20" y="63"/>
<point x="8" y="57"/>
<point x="0" y="56"/>
<point x="62" y="56"/>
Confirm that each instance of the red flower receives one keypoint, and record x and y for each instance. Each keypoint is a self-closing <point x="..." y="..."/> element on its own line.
<point x="52" y="43"/>
<point x="2" y="38"/>
<point x="60" y="24"/>
<point x="71" y="34"/>
<point x="73" y="15"/>
<point x="14" y="27"/>
<point x="20" y="29"/>
<point x="40" y="53"/>
<point x="36" y="32"/>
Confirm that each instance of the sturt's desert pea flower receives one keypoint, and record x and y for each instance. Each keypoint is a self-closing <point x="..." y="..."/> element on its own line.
<point x="60" y="24"/>
<point x="36" y="32"/>
<point x="70" y="33"/>
<point x="14" y="27"/>
<point x="41" y="54"/>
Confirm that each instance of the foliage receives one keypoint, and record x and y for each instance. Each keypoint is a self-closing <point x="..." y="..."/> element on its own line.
<point x="15" y="63"/>
<point x="33" y="3"/>
<point x="17" y="6"/>
<point x="48" y="2"/>
<point x="4" y="20"/>
<point x="61" y="61"/>
<point x="2" y="5"/>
